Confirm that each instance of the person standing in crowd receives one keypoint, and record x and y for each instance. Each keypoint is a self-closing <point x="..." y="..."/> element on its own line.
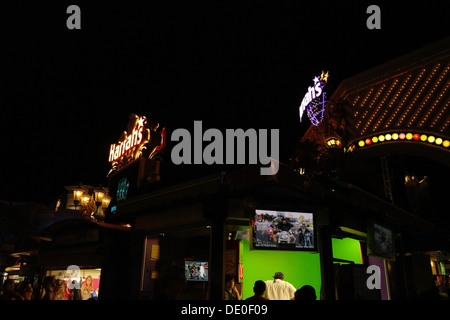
<point x="60" y="289"/>
<point x="231" y="292"/>
<point x="306" y="293"/>
<point x="47" y="292"/>
<point x="278" y="289"/>
<point x="26" y="290"/>
<point x="258" y="289"/>
<point x="87" y="288"/>
<point x="8" y="292"/>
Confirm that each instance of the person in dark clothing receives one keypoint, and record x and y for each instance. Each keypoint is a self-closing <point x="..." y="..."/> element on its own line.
<point x="231" y="292"/>
<point x="8" y="291"/>
<point x="305" y="293"/>
<point x="258" y="289"/>
<point x="286" y="226"/>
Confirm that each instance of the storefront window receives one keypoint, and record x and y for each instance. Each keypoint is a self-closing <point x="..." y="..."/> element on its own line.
<point x="80" y="285"/>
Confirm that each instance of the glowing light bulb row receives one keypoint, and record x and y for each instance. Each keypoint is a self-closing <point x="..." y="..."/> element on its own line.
<point x="408" y="93"/>
<point x="397" y="95"/>
<point x="438" y="98"/>
<point x="408" y="136"/>
<point x="363" y="102"/>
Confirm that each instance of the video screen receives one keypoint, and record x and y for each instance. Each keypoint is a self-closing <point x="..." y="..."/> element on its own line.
<point x="196" y="270"/>
<point x="382" y="245"/>
<point x="283" y="230"/>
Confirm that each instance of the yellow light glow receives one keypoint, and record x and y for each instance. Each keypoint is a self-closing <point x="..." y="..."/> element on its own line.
<point x="361" y="143"/>
<point x="423" y="137"/>
<point x="381" y="138"/>
<point x="99" y="196"/>
<point x="374" y="139"/>
<point x="77" y="193"/>
<point x="409" y="136"/>
<point x="395" y="136"/>
<point x="438" y="141"/>
<point x="85" y="199"/>
<point x="431" y="139"/>
<point x="105" y="201"/>
<point x="388" y="137"/>
<point x="446" y="143"/>
<point x="324" y="76"/>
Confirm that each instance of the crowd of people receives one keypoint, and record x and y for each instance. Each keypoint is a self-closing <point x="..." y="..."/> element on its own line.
<point x="276" y="289"/>
<point x="51" y="289"/>
<point x="58" y="289"/>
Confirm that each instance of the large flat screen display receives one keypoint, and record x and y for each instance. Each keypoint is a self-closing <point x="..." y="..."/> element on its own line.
<point x="283" y="230"/>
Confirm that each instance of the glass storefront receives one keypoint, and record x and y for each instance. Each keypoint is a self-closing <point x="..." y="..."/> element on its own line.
<point x="75" y="284"/>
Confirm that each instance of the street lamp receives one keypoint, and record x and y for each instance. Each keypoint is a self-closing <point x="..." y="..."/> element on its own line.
<point x="93" y="201"/>
<point x="85" y="199"/>
<point x="77" y="193"/>
<point x="105" y="202"/>
<point x="99" y="194"/>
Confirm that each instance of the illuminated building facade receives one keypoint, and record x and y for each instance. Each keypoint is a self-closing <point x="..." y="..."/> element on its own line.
<point x="386" y="133"/>
<point x="377" y="126"/>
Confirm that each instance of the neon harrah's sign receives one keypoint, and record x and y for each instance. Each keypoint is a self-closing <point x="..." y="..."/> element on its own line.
<point x="314" y="100"/>
<point x="141" y="136"/>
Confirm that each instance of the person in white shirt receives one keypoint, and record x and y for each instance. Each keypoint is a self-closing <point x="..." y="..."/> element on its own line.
<point x="278" y="289"/>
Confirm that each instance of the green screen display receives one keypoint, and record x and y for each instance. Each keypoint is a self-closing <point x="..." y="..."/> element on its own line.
<point x="299" y="268"/>
<point x="347" y="249"/>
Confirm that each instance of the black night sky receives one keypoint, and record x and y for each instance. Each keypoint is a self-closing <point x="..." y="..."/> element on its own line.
<point x="67" y="94"/>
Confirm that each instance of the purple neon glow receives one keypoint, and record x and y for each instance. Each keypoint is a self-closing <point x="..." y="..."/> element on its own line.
<point x="316" y="108"/>
<point x="314" y="101"/>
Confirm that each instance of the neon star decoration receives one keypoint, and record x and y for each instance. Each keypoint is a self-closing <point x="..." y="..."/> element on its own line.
<point x="314" y="100"/>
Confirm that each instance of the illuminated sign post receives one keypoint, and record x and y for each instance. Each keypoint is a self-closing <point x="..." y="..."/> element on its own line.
<point x="134" y="160"/>
<point x="314" y="100"/>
